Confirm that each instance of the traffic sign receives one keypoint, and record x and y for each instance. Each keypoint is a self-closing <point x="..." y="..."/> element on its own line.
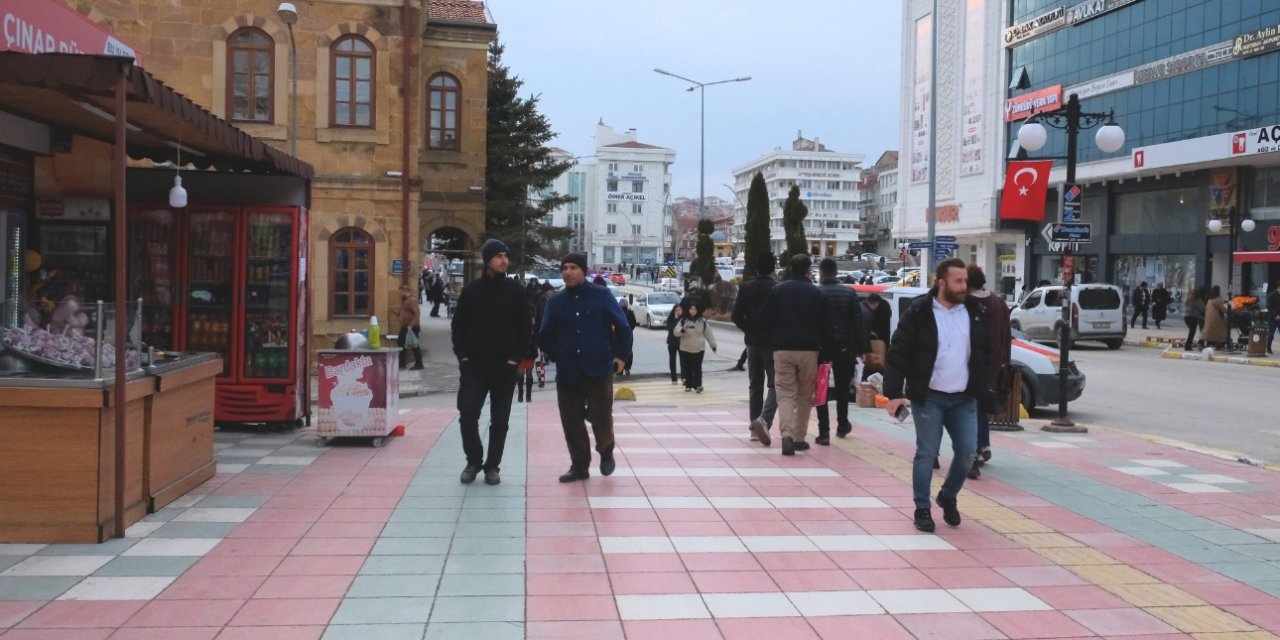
<point x="947" y="246"/>
<point x="919" y="245"/>
<point x="1067" y="232"/>
<point x="944" y="238"/>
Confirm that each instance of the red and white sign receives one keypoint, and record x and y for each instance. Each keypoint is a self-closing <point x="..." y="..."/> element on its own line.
<point x="1025" y="185"/>
<point x="48" y="26"/>
<point x="355" y="393"/>
<point x="1222" y="146"/>
<point x="1029" y="104"/>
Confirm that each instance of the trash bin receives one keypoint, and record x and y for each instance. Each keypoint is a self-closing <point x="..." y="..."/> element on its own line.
<point x="1008" y="419"/>
<point x="1257" y="346"/>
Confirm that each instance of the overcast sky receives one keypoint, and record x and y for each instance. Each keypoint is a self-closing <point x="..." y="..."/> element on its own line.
<point x="827" y="67"/>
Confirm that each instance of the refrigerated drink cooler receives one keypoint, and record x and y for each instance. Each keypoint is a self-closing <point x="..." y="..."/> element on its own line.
<point x="230" y="280"/>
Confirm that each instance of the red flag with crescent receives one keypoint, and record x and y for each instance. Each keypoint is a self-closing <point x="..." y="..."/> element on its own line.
<point x="1025" y="186"/>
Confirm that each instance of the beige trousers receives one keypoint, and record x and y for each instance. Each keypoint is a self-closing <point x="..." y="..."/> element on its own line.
<point x="793" y="373"/>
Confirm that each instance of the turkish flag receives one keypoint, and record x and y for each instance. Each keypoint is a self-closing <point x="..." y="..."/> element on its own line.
<point x="1025" y="186"/>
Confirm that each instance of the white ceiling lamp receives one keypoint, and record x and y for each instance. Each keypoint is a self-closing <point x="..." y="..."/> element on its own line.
<point x="178" y="194"/>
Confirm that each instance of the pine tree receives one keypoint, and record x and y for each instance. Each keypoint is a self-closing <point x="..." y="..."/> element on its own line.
<point x="793" y="214"/>
<point x="519" y="164"/>
<point x="757" y="226"/>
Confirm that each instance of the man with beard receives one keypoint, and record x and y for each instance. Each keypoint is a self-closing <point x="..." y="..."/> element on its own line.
<point x="939" y="353"/>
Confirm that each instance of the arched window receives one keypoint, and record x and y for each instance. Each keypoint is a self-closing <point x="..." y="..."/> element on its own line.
<point x="250" y="81"/>
<point x="351" y="273"/>
<point x="444" y="96"/>
<point x="353" y="79"/>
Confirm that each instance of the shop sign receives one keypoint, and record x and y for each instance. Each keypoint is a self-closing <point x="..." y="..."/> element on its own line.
<point x="1256" y="43"/>
<point x="1256" y="141"/>
<point x="1183" y="63"/>
<point x="1093" y="8"/>
<point x="946" y="213"/>
<point x="1099" y="86"/>
<point x="817" y="174"/>
<point x="625" y="197"/>
<point x="47" y="26"/>
<point x="1171" y="154"/>
<point x="817" y="194"/>
<point x="77" y="209"/>
<point x="1273" y="238"/>
<point x="1008" y="265"/>
<point x="1029" y="104"/>
<point x="397" y="267"/>
<point x="1035" y="27"/>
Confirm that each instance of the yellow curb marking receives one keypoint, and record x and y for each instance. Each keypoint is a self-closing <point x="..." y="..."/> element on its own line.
<point x="1014" y="525"/>
<point x="1236" y="635"/>
<point x="1113" y="574"/>
<point x="1159" y="595"/>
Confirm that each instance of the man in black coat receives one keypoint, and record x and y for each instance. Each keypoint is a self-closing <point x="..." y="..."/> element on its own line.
<point x="1141" y="300"/>
<point x="797" y="323"/>
<point x="845" y="343"/>
<point x="491" y="333"/>
<point x="939" y="354"/>
<point x="748" y="309"/>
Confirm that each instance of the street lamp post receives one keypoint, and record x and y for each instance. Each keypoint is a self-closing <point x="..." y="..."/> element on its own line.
<point x="1032" y="136"/>
<point x="288" y="14"/>
<point x="1234" y="221"/>
<point x="702" y="150"/>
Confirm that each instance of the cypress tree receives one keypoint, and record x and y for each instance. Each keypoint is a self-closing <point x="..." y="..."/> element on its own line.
<point x="793" y="214"/>
<point x="756" y="228"/>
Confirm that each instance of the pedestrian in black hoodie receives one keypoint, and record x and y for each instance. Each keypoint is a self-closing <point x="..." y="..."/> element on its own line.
<point x="748" y="309"/>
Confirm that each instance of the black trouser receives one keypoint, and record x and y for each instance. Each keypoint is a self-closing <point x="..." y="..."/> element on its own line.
<point x="417" y="351"/>
<point x="1192" y="325"/>
<point x="524" y="383"/>
<point x="762" y="398"/>
<point x="590" y="399"/>
<point x="842" y="369"/>
<point x="672" y="350"/>
<point x="742" y="359"/>
<point x="1139" y="310"/>
<point x="691" y="365"/>
<point x="435" y="308"/>
<point x="498" y="382"/>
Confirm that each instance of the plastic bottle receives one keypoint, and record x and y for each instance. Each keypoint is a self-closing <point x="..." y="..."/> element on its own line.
<point x="375" y="334"/>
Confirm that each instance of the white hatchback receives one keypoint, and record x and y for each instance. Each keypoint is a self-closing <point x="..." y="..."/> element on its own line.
<point x="652" y="309"/>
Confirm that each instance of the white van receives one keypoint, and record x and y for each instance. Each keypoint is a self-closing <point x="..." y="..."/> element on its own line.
<point x="1097" y="313"/>
<point x="1036" y="364"/>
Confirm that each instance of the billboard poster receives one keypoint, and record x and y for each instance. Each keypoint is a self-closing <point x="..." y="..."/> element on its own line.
<point x="920" y="101"/>
<point x="353" y="394"/>
<point x="972" y="114"/>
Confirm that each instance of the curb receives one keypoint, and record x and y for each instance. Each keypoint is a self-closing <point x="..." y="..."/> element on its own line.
<point x="1174" y="354"/>
<point x="1221" y="454"/>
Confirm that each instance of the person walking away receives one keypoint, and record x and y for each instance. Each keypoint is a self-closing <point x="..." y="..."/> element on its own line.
<point x="491" y="330"/>
<point x="632" y="323"/>
<point x="437" y="294"/>
<point x="673" y="344"/>
<point x="1160" y="301"/>
<point x="1141" y="300"/>
<point x="879" y="317"/>
<point x="410" y="320"/>
<point x="1215" y="332"/>
<point x="742" y="361"/>
<point x="999" y="364"/>
<point x="797" y="323"/>
<point x="584" y="332"/>
<point x="844" y="344"/>
<point x="695" y="335"/>
<point x="1193" y="316"/>
<point x="938" y="359"/>
<point x="1273" y="312"/>
<point x="748" y="309"/>
<point x="524" y="385"/>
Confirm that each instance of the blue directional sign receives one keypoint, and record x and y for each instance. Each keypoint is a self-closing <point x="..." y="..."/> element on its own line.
<point x="919" y="245"/>
<point x="944" y="238"/>
<point x="1067" y="232"/>
<point x="946" y="246"/>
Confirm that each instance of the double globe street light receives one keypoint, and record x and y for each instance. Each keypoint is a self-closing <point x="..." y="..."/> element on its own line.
<point x="1032" y="137"/>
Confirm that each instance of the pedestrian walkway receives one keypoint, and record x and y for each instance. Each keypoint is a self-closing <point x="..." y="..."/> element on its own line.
<point x="698" y="534"/>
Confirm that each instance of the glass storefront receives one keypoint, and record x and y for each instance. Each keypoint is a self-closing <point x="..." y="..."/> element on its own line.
<point x="1050" y="269"/>
<point x="1177" y="272"/>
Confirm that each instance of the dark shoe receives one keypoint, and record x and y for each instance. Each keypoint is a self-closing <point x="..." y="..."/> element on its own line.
<point x="985" y="454"/>
<point x="491" y="477"/>
<point x="574" y="475"/>
<point x="975" y="471"/>
<point x="844" y="430"/>
<point x="950" y="514"/>
<point x="760" y="431"/>
<point x="823" y="440"/>
<point x="936" y="464"/>
<point x="699" y="389"/>
<point x="737" y="368"/>
<point x="924" y="520"/>
<point x="416" y="367"/>
<point x="469" y="474"/>
<point x="607" y="465"/>
<point x="674" y="381"/>
<point x="788" y="446"/>
<point x="520" y="398"/>
<point x="800" y="445"/>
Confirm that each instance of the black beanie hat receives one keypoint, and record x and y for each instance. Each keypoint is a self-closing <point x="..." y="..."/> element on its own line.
<point x="491" y="248"/>
<point x="579" y="259"/>
<point x="765" y="263"/>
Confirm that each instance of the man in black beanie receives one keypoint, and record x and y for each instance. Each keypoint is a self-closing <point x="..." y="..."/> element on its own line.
<point x="746" y="315"/>
<point x="491" y="333"/>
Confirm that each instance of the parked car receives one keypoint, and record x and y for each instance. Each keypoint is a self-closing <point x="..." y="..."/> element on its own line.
<point x="668" y="284"/>
<point x="1097" y="313"/>
<point x="1037" y="365"/>
<point x="616" y="293"/>
<point x="618" y="279"/>
<point x="652" y="309"/>
<point x="888" y="280"/>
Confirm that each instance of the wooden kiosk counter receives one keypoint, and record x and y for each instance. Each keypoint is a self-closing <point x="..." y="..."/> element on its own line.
<point x="57" y="465"/>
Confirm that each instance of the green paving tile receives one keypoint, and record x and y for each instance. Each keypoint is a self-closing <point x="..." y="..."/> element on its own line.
<point x="508" y="584"/>
<point x="411" y="546"/>
<point x="147" y="566"/>
<point x="494" y="502"/>
<point x="1168" y="540"/>
<point x="232" y="502"/>
<point x="371" y="586"/>
<point x="482" y="546"/>
<point x="436" y="489"/>
<point x="475" y="630"/>
<point x="469" y="564"/>
<point x="374" y="632"/>
<point x="1228" y="537"/>
<point x="275" y="469"/>
<point x="492" y="515"/>
<point x="1269" y="586"/>
<point x="1209" y="555"/>
<point x="1190" y="523"/>
<point x="382" y="611"/>
<point x="478" y="609"/>
<point x="164" y="515"/>
<point x="112" y="547"/>
<point x="1133" y="524"/>
<point x="490" y="529"/>
<point x="9" y="561"/>
<point x="1249" y="572"/>
<point x="35" y="588"/>
<point x="425" y="515"/>
<point x="402" y="565"/>
<point x="430" y="502"/>
<point x="217" y="530"/>
<point x="1269" y="551"/>
<point x="418" y="530"/>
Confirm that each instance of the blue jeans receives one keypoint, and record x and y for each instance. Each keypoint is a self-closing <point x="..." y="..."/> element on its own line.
<point x="958" y="413"/>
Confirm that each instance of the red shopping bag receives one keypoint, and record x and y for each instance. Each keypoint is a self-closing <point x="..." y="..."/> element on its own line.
<point x="820" y="383"/>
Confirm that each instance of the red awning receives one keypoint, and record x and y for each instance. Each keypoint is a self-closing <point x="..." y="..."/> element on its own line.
<point x="1257" y="256"/>
<point x="76" y="93"/>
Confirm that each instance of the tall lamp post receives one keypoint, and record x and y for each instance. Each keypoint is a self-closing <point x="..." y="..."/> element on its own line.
<point x="288" y="14"/>
<point x="1032" y="136"/>
<point x="1234" y="221"/>
<point x="702" y="151"/>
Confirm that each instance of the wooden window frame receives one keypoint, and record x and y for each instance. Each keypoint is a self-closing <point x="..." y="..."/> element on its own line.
<point x="270" y="50"/>
<point x="352" y="102"/>
<point x="336" y="245"/>
<point x="445" y="144"/>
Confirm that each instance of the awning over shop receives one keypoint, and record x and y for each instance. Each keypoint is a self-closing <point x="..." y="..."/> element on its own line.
<point x="1256" y="256"/>
<point x="76" y="93"/>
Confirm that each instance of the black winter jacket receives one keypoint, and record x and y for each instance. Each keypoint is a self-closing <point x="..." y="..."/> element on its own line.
<point x="748" y="308"/>
<point x="846" y="318"/>
<point x="914" y="349"/>
<point x="492" y="322"/>
<point x="796" y="317"/>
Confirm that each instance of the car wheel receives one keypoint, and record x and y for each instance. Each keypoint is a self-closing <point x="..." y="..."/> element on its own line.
<point x="1027" y="397"/>
<point x="1114" y="343"/>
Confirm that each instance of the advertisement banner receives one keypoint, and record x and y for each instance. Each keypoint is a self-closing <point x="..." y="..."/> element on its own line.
<point x="48" y="26"/>
<point x="920" y="100"/>
<point x="971" y="117"/>
<point x="1029" y="104"/>
<point x="353" y="394"/>
<point x="1044" y="23"/>
<point x="1256" y="43"/>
